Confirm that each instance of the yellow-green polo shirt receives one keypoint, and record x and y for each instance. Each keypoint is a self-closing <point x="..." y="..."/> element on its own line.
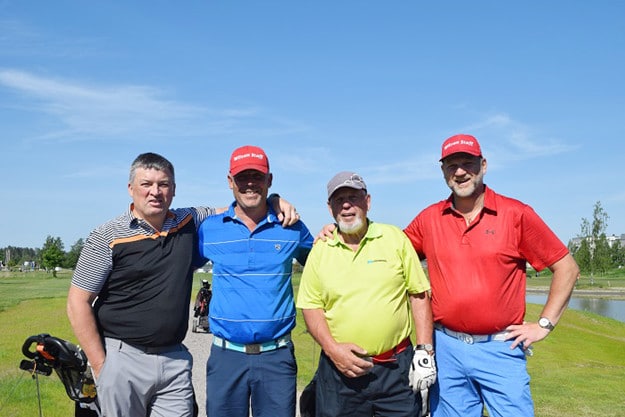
<point x="365" y="293"/>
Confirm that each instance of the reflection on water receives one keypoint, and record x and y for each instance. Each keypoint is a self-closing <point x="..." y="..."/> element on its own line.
<point x="614" y="309"/>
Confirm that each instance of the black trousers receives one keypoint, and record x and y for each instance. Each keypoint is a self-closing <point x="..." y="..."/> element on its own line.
<point x="383" y="392"/>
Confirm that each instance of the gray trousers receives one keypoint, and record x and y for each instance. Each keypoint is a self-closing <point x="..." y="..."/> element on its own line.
<point x="139" y="382"/>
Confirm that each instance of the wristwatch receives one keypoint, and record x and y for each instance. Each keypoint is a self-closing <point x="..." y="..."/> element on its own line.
<point x="545" y="323"/>
<point x="427" y="347"/>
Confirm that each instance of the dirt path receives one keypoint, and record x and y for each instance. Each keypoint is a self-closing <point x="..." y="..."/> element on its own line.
<point x="199" y="346"/>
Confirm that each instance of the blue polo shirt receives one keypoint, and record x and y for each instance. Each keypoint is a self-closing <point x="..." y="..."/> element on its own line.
<point x="252" y="292"/>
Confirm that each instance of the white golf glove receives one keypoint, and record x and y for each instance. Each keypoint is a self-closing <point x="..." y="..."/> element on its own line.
<point x="422" y="375"/>
<point x="422" y="371"/>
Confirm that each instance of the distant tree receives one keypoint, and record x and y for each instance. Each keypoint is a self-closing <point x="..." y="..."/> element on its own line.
<point x="52" y="254"/>
<point x="71" y="258"/>
<point x="18" y="255"/>
<point x="617" y="254"/>
<point x="593" y="254"/>
<point x="601" y="256"/>
<point x="582" y="255"/>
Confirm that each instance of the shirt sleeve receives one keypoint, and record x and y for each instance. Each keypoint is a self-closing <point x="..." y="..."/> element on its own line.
<point x="309" y="295"/>
<point x="200" y="213"/>
<point x="94" y="263"/>
<point x="538" y="243"/>
<point x="306" y="243"/>
<point x="414" y="233"/>
<point x="416" y="280"/>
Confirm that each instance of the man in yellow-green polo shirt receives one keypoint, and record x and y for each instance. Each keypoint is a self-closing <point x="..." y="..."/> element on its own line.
<point x="358" y="293"/>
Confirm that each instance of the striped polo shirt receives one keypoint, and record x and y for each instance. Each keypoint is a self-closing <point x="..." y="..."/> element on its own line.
<point x="143" y="278"/>
<point x="252" y="292"/>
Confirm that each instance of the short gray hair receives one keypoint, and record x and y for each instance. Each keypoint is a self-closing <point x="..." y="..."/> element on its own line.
<point x="150" y="160"/>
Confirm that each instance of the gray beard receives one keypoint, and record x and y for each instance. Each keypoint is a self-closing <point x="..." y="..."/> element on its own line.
<point x="351" y="228"/>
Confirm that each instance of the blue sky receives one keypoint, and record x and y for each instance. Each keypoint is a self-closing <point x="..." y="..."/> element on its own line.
<point x="322" y="86"/>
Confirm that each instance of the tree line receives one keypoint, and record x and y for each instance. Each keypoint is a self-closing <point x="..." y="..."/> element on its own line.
<point x="49" y="257"/>
<point x="592" y="250"/>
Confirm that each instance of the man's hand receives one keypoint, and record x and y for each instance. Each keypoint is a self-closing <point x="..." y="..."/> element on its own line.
<point x="422" y="371"/>
<point x="421" y="377"/>
<point x="286" y="212"/>
<point x="525" y="334"/>
<point x="326" y="232"/>
<point x="96" y="369"/>
<point x="349" y="359"/>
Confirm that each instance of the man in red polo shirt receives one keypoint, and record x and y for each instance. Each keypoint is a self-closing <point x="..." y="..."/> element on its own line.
<point x="477" y="243"/>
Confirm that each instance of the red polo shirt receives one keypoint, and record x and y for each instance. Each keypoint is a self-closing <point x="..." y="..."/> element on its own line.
<point x="477" y="272"/>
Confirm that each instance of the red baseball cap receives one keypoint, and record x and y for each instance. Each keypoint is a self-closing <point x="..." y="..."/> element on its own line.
<point x="248" y="157"/>
<point x="461" y="144"/>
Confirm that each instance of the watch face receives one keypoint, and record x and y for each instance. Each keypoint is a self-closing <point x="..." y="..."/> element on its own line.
<point x="545" y="323"/>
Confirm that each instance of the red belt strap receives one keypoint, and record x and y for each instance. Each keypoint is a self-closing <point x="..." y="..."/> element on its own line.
<point x="389" y="355"/>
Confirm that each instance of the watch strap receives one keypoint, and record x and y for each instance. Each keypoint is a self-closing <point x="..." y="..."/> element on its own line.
<point x="427" y="347"/>
<point x="545" y="323"/>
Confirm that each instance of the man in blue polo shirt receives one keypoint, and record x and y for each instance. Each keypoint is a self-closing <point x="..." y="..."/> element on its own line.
<point x="252" y="311"/>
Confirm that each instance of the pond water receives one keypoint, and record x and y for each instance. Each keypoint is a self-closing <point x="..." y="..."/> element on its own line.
<point x="611" y="308"/>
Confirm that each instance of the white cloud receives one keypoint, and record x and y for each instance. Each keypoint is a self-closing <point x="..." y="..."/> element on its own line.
<point x="84" y="111"/>
<point x="510" y="140"/>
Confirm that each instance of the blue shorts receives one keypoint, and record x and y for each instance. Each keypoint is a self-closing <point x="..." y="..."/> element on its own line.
<point x="471" y="376"/>
<point x="266" y="382"/>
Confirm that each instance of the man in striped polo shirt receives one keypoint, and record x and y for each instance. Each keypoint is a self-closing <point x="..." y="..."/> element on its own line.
<point x="252" y="312"/>
<point x="129" y="299"/>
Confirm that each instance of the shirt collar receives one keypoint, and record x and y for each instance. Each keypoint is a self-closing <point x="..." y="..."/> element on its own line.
<point x="490" y="203"/>
<point x="271" y="216"/>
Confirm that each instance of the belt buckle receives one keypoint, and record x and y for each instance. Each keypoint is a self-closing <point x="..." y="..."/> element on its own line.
<point x="253" y="349"/>
<point x="467" y="338"/>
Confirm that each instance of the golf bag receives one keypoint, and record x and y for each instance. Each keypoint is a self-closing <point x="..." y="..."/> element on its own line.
<point x="200" y="309"/>
<point x="70" y="364"/>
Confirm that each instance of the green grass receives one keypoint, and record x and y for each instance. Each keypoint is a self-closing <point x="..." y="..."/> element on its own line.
<point x="611" y="279"/>
<point x="18" y="393"/>
<point x="18" y="286"/>
<point x="578" y="370"/>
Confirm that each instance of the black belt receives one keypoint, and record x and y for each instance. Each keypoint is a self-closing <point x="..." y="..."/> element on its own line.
<point x="149" y="350"/>
<point x="155" y="350"/>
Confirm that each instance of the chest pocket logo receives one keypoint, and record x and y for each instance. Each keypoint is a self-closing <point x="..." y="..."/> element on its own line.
<point x="372" y="261"/>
